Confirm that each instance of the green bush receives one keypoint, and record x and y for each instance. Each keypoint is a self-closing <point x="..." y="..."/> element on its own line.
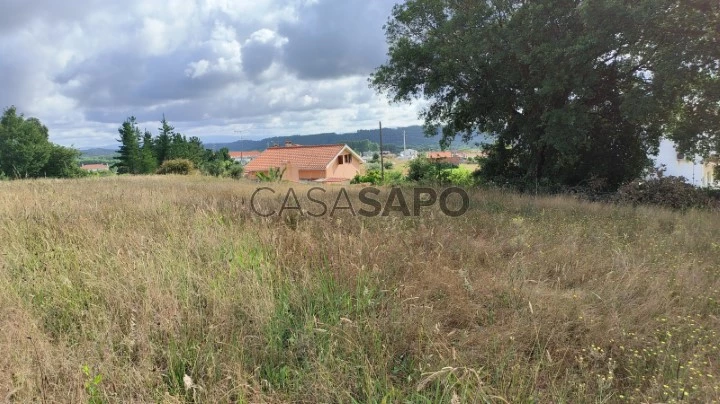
<point x="375" y="177"/>
<point x="424" y="170"/>
<point x="177" y="166"/>
<point x="461" y="177"/>
<point x="214" y="168"/>
<point x="235" y="171"/>
<point x="371" y="176"/>
<point x="274" y="174"/>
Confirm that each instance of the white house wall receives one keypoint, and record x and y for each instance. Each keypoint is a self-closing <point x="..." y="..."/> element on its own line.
<point x="694" y="172"/>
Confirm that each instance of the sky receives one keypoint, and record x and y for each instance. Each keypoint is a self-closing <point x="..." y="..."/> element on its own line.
<point x="213" y="67"/>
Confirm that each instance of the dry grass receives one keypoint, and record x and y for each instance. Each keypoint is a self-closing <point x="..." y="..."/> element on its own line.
<point x="168" y="289"/>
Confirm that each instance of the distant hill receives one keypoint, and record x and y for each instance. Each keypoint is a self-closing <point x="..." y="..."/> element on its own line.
<point x="98" y="152"/>
<point x="415" y="138"/>
<point x="392" y="140"/>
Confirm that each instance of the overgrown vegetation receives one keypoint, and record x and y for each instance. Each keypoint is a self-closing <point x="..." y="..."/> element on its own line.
<point x="169" y="289"/>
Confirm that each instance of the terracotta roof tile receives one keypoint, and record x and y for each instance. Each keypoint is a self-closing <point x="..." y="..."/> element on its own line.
<point x="440" y="155"/>
<point x="95" y="167"/>
<point x="302" y="157"/>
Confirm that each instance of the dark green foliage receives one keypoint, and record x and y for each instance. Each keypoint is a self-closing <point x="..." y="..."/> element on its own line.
<point x="163" y="141"/>
<point x="148" y="160"/>
<point x="177" y="166"/>
<point x="62" y="163"/>
<point x="26" y="152"/>
<point x="24" y="145"/>
<point x="183" y="148"/>
<point x="572" y="91"/>
<point x="129" y="159"/>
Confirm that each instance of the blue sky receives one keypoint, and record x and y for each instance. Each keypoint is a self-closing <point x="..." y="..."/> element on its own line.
<point x="264" y="67"/>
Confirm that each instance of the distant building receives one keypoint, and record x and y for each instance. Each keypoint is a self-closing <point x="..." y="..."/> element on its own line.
<point x="244" y="157"/>
<point x="408" y="154"/>
<point x="445" y="157"/>
<point x="93" y="168"/>
<point x="695" y="170"/>
<point x="326" y="163"/>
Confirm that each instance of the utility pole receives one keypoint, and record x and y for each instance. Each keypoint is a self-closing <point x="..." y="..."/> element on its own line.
<point x="404" y="143"/>
<point x="241" y="145"/>
<point x="382" y="164"/>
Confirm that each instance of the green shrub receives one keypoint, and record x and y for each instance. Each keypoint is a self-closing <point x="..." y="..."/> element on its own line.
<point x="235" y="171"/>
<point x="177" y="166"/>
<point x="371" y="176"/>
<point x="424" y="170"/>
<point x="461" y="177"/>
<point x="274" y="174"/>
<point x="375" y="177"/>
<point x="215" y="168"/>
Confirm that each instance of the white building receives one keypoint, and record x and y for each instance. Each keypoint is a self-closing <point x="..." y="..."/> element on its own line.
<point x="695" y="170"/>
<point x="408" y="154"/>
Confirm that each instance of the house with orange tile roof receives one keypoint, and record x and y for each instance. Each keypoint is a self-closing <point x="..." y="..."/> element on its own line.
<point x="445" y="157"/>
<point x="95" y="167"/>
<point x="324" y="163"/>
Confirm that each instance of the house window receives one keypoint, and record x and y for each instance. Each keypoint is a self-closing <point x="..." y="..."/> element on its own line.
<point x="348" y="158"/>
<point x="340" y="159"/>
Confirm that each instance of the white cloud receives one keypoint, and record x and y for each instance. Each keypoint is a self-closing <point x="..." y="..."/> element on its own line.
<point x="276" y="66"/>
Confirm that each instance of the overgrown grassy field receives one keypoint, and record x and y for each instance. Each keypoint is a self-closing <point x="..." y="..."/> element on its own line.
<point x="169" y="289"/>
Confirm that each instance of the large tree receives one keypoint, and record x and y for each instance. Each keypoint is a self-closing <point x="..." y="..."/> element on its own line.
<point x="26" y="151"/>
<point x="164" y="140"/>
<point x="130" y="156"/>
<point x="571" y="90"/>
<point x="148" y="160"/>
<point x="24" y="145"/>
<point x="63" y="163"/>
